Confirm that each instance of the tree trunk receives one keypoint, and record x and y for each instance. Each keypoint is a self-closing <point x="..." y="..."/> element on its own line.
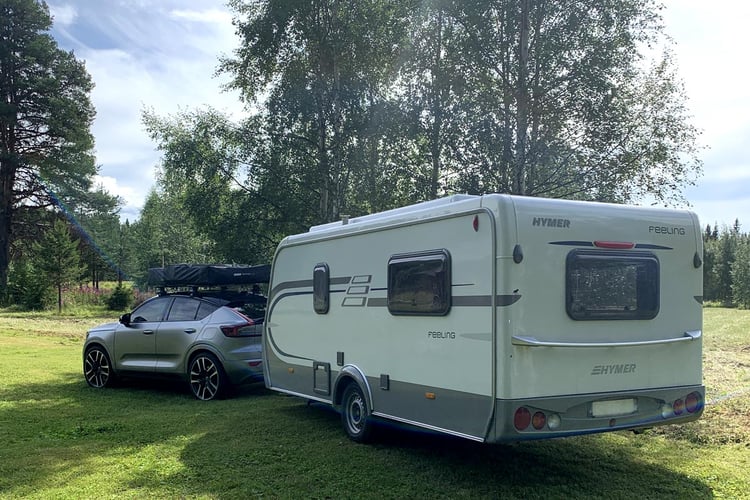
<point x="437" y="108"/>
<point x="7" y="180"/>
<point x="522" y="102"/>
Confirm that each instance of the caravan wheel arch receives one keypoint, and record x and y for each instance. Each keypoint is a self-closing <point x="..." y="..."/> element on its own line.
<point x="350" y="374"/>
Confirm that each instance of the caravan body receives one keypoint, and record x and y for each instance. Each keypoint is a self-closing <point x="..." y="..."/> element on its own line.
<point x="494" y="318"/>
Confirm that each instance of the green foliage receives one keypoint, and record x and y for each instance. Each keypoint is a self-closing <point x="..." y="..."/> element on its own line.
<point x="120" y="298"/>
<point x="27" y="287"/>
<point x="360" y="107"/>
<point x="104" y="245"/>
<point x="741" y="274"/>
<point x="45" y="119"/>
<point x="165" y="234"/>
<point x="57" y="260"/>
<point x="726" y="278"/>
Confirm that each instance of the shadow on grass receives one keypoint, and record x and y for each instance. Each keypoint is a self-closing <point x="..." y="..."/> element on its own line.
<point x="63" y="424"/>
<point x="301" y="451"/>
<point x="265" y="444"/>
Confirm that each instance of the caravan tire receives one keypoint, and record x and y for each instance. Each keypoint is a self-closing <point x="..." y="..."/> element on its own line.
<point x="355" y="415"/>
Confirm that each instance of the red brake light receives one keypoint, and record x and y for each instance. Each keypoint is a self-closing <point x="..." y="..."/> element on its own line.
<point x="615" y="245"/>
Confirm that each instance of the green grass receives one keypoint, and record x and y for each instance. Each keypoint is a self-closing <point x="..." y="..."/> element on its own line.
<point x="61" y="439"/>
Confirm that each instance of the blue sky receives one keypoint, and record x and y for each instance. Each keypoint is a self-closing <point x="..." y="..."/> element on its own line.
<point x="162" y="55"/>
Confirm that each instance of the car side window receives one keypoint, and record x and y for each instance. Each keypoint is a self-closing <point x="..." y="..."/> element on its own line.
<point x="204" y="309"/>
<point x="152" y="310"/>
<point x="183" y="309"/>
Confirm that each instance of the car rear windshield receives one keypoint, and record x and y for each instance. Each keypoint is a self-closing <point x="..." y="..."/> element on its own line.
<point x="609" y="285"/>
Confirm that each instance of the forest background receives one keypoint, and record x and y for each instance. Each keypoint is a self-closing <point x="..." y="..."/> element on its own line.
<point x="351" y="109"/>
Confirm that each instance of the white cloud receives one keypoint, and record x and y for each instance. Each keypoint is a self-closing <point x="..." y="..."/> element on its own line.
<point x="142" y="55"/>
<point x="203" y="16"/>
<point x="711" y="42"/>
<point x="63" y="15"/>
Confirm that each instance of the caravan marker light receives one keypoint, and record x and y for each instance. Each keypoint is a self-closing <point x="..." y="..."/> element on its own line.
<point x="521" y="419"/>
<point x="475" y="224"/>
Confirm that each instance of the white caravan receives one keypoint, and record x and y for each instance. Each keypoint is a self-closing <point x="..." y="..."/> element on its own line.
<point x="493" y="318"/>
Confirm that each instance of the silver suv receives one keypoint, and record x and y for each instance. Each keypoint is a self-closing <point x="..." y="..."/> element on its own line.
<point x="207" y="341"/>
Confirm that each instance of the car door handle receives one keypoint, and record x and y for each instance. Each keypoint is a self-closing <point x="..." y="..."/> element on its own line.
<point x="148" y="332"/>
<point x="190" y="330"/>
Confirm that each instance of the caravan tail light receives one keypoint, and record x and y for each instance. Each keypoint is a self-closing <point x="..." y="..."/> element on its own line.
<point x="554" y="421"/>
<point x="538" y="420"/>
<point x="522" y="418"/>
<point x="678" y="407"/>
<point x="693" y="402"/>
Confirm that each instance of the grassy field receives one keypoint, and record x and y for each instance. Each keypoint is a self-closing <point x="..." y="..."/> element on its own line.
<point x="61" y="439"/>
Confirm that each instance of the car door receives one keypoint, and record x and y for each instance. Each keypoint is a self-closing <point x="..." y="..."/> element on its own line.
<point x="178" y="331"/>
<point x="135" y="342"/>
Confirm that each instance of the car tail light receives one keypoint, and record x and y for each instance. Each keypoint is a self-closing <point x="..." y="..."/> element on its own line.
<point x="522" y="418"/>
<point x="240" y="330"/>
<point x="693" y="402"/>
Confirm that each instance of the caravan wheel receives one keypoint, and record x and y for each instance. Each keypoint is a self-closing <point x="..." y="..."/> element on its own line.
<point x="355" y="415"/>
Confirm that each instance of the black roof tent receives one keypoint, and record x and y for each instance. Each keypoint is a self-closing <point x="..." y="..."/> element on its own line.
<point x="179" y="275"/>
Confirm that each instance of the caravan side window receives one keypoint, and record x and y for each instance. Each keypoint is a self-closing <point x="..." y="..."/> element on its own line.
<point x="603" y="285"/>
<point x="420" y="283"/>
<point x="321" y="289"/>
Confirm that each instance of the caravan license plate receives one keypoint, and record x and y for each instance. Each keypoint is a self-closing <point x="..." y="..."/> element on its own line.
<point x="613" y="408"/>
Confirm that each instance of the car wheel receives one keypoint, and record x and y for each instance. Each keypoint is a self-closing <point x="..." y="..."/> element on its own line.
<point x="207" y="378"/>
<point x="355" y="416"/>
<point x="97" y="369"/>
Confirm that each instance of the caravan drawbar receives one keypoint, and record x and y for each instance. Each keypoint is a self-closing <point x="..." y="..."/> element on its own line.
<point x="494" y="318"/>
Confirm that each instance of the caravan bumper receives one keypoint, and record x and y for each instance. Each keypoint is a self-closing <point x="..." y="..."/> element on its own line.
<point x="543" y="418"/>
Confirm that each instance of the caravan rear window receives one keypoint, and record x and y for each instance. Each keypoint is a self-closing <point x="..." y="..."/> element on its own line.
<point x="602" y="285"/>
<point x="420" y="283"/>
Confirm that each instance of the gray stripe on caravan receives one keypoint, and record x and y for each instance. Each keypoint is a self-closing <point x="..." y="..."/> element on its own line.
<point x="461" y="300"/>
<point x="307" y="283"/>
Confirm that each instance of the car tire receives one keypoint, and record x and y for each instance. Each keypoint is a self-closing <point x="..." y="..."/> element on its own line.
<point x="97" y="368"/>
<point x="206" y="377"/>
<point x="355" y="414"/>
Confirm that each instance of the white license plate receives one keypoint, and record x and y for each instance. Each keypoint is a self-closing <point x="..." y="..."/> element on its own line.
<point x="613" y="408"/>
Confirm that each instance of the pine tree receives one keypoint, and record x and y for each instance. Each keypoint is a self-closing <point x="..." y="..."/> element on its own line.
<point x="56" y="257"/>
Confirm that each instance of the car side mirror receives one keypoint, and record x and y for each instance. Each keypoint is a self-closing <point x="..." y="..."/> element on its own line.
<point x="125" y="319"/>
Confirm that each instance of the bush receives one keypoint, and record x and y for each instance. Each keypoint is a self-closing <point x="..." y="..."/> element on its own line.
<point x="26" y="287"/>
<point x="120" y="298"/>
